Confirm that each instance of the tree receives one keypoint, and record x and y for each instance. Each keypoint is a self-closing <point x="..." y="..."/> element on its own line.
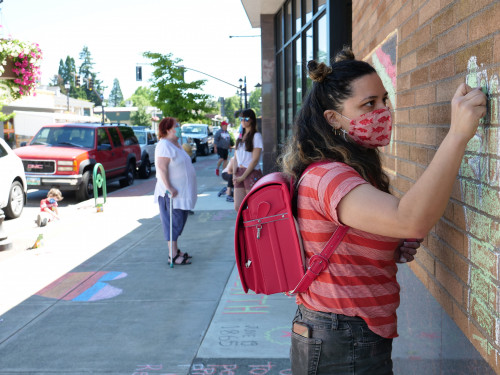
<point x="143" y="96"/>
<point x="86" y="72"/>
<point x="255" y="101"/>
<point x="115" y="97"/>
<point x="141" y="117"/>
<point x="231" y="106"/>
<point x="66" y="75"/>
<point x="172" y="94"/>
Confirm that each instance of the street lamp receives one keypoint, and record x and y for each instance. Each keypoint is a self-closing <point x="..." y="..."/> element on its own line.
<point x="244" y="88"/>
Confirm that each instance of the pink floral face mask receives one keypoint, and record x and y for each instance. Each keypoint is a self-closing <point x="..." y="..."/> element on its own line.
<point x="372" y="129"/>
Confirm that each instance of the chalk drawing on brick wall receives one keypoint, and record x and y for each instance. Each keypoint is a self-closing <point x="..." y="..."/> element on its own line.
<point x="383" y="59"/>
<point x="480" y="193"/>
<point x="83" y="286"/>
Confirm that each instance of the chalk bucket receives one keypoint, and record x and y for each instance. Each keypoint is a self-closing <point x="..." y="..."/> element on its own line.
<point x="99" y="207"/>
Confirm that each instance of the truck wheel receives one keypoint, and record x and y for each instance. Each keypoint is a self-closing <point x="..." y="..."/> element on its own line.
<point x="86" y="189"/>
<point x="206" y="150"/>
<point x="15" y="204"/>
<point x="129" y="177"/>
<point x="145" y="169"/>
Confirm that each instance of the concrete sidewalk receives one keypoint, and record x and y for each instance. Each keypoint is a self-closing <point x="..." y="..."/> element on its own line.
<point x="118" y="308"/>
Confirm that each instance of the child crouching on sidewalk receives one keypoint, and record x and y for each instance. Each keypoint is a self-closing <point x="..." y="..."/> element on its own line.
<point x="48" y="207"/>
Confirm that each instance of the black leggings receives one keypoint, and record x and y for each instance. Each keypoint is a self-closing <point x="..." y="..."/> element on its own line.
<point x="229" y="178"/>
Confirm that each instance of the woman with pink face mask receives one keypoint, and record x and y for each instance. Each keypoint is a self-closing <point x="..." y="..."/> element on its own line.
<point x="346" y="320"/>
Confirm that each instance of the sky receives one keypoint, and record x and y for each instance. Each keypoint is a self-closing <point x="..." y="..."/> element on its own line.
<point x="118" y="32"/>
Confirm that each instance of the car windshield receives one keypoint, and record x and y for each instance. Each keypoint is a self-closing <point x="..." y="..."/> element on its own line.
<point x="193" y="129"/>
<point x="65" y="136"/>
<point x="141" y="137"/>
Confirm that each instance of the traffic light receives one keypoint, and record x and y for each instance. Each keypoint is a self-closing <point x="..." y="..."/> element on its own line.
<point x="77" y="81"/>
<point x="138" y="73"/>
<point x="90" y="83"/>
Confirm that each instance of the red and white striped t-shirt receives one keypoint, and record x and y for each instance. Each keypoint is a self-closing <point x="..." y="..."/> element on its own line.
<point x="361" y="277"/>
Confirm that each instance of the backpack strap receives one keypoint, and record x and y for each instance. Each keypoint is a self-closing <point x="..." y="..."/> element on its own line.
<point x="319" y="262"/>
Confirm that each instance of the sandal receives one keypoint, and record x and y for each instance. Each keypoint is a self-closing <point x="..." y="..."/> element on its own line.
<point x="186" y="255"/>
<point x="185" y="261"/>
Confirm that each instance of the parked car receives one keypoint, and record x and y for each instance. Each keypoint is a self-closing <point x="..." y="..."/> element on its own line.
<point x="13" y="185"/>
<point x="64" y="156"/>
<point x="189" y="145"/>
<point x="202" y="135"/>
<point x="147" y="140"/>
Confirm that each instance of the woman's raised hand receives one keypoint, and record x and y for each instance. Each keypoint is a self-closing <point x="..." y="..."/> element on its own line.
<point x="467" y="107"/>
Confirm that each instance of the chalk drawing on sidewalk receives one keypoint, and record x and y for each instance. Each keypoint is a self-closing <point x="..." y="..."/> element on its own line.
<point x="83" y="286"/>
<point x="237" y="335"/>
<point x="150" y="369"/>
<point x="479" y="183"/>
<point x="235" y="369"/>
<point x="279" y="335"/>
<point x="242" y="303"/>
<point x="218" y="215"/>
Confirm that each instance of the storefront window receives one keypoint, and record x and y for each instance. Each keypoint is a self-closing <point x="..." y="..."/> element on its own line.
<point x="322" y="34"/>
<point x="289" y="88"/>
<point x="281" y="101"/>
<point x="302" y="34"/>
<point x="309" y="52"/>
<point x="309" y="10"/>
<point x="321" y="5"/>
<point x="288" y="21"/>
<point x="298" y="16"/>
<point x="279" y="31"/>
<point x="298" y="75"/>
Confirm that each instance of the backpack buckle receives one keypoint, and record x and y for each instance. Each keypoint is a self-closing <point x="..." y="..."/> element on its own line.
<point x="317" y="264"/>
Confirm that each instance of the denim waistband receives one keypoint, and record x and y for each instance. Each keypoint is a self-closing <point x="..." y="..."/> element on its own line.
<point x="329" y="315"/>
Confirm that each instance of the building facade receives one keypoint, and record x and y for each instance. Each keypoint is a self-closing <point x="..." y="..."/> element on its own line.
<point x="422" y="50"/>
<point x="48" y="106"/>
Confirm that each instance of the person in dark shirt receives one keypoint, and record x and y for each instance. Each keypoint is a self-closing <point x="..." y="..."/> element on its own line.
<point x="222" y="141"/>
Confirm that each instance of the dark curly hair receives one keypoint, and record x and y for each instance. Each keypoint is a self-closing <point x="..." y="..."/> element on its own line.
<point x="313" y="137"/>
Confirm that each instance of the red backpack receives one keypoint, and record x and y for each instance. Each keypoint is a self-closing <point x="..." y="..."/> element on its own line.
<point x="268" y="246"/>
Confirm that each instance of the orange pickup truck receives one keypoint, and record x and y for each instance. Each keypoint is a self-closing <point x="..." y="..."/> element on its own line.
<point x="64" y="155"/>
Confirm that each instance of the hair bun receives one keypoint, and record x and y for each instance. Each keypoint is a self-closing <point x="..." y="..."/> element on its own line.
<point x="318" y="71"/>
<point x="344" y="55"/>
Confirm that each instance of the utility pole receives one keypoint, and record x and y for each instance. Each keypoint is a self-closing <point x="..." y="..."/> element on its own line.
<point x="244" y="88"/>
<point x="102" y="108"/>
<point x="67" y="87"/>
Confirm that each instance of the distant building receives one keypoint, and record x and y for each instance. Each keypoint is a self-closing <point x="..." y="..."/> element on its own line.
<point x="123" y="115"/>
<point x="48" y="106"/>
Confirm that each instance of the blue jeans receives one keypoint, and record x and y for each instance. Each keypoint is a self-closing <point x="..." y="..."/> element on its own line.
<point x="338" y="344"/>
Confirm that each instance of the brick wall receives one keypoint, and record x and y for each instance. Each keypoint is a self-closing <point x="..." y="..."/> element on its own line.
<point x="438" y="45"/>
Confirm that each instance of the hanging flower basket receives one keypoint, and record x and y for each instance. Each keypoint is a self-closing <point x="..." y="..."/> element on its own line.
<point x="8" y="70"/>
<point x="19" y="66"/>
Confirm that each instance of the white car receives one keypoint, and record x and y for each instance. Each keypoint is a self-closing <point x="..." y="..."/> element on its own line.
<point x="13" y="186"/>
<point x="147" y="140"/>
<point x="203" y="135"/>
